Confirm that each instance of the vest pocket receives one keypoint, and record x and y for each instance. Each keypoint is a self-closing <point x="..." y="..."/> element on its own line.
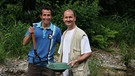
<point x="81" y="70"/>
<point x="76" y="52"/>
<point x="78" y="67"/>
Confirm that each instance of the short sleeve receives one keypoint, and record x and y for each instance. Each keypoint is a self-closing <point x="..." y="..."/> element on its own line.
<point x="85" y="45"/>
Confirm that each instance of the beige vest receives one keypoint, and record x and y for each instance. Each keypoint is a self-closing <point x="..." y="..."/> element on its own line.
<point x="79" y="69"/>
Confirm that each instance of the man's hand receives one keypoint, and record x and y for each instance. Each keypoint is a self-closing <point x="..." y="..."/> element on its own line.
<point x="73" y="62"/>
<point x="31" y="29"/>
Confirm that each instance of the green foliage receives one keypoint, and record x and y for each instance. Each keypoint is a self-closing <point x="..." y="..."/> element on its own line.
<point x="10" y="12"/>
<point x="103" y="36"/>
<point x="12" y="39"/>
<point x="123" y="25"/>
<point x="95" y="69"/>
<point x="3" y="54"/>
<point x="86" y="12"/>
<point x="126" y="31"/>
<point x="125" y="37"/>
<point x="118" y="7"/>
<point x="127" y="53"/>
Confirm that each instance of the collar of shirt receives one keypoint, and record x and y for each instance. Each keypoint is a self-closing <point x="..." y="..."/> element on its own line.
<point x="39" y="25"/>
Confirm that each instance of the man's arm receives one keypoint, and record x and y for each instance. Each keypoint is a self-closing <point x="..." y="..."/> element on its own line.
<point x="26" y="39"/>
<point x="81" y="58"/>
<point x="86" y="51"/>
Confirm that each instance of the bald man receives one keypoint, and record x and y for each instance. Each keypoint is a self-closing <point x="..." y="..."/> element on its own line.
<point x="75" y="47"/>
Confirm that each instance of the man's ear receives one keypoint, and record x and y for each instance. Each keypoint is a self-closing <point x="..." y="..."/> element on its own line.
<point x="75" y="18"/>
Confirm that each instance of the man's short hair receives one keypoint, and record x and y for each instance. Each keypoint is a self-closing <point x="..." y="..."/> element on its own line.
<point x="46" y="8"/>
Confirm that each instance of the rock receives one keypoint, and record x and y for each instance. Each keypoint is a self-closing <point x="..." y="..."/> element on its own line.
<point x="110" y="60"/>
<point x="109" y="72"/>
<point x="14" y="68"/>
<point x="132" y="64"/>
<point x="111" y="63"/>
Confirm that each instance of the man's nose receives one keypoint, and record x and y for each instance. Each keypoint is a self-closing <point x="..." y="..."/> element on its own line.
<point x="68" y="19"/>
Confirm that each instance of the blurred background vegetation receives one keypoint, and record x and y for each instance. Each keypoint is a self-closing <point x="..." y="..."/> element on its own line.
<point x="107" y="23"/>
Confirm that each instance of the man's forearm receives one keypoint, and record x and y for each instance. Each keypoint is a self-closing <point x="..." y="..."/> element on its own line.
<point x="26" y="39"/>
<point x="80" y="59"/>
<point x="83" y="57"/>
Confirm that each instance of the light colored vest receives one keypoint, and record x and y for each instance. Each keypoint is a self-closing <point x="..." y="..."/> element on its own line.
<point x="79" y="69"/>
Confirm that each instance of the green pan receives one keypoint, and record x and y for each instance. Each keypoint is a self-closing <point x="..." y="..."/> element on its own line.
<point x="59" y="67"/>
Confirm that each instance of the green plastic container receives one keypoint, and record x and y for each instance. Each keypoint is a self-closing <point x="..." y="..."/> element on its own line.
<point x="58" y="67"/>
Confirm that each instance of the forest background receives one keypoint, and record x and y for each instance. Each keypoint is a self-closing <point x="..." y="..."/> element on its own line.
<point x="108" y="23"/>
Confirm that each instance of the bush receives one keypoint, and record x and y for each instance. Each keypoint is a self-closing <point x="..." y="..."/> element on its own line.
<point x="86" y="12"/>
<point x="3" y="54"/>
<point x="125" y="37"/>
<point x="12" y="39"/>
